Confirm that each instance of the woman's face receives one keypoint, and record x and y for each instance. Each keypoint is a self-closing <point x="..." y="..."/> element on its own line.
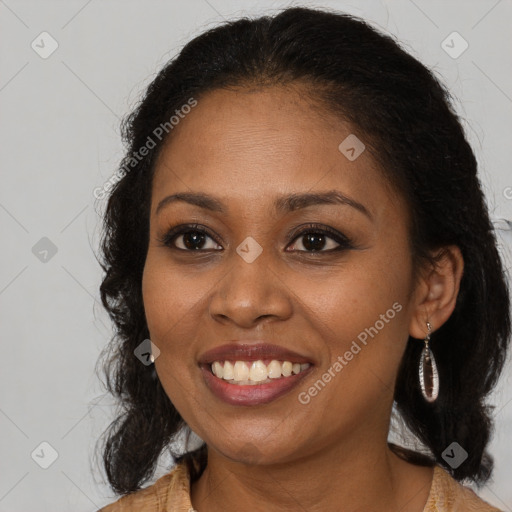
<point x="339" y="299"/>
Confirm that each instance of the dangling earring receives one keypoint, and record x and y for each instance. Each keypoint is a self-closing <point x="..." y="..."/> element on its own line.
<point x="429" y="377"/>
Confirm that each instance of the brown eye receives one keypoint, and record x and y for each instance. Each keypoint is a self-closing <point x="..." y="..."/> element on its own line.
<point x="320" y="239"/>
<point x="315" y="242"/>
<point x="189" y="238"/>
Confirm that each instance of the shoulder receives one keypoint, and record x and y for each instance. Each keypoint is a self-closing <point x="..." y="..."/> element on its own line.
<point x="448" y="495"/>
<point x="170" y="492"/>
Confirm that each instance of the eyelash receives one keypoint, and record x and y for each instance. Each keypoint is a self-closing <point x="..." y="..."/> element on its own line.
<point x="343" y="241"/>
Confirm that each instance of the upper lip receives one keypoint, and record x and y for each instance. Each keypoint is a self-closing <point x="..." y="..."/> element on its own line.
<point x="244" y="351"/>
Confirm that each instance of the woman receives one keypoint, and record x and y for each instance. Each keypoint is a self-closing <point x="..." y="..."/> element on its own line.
<point x="298" y="240"/>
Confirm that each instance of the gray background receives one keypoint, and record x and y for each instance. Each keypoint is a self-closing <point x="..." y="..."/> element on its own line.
<point x="59" y="135"/>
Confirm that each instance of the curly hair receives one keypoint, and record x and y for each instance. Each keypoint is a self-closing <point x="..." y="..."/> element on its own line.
<point x="413" y="132"/>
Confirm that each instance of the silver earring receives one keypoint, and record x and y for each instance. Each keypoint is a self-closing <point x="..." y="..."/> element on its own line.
<point x="429" y="377"/>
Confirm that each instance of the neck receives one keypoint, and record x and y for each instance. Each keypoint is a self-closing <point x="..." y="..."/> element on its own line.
<point x="360" y="475"/>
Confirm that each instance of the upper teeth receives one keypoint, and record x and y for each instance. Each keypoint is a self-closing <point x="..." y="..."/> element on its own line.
<point x="255" y="371"/>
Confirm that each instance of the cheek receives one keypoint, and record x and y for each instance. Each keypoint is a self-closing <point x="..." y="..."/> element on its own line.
<point x="172" y="299"/>
<point x="360" y="313"/>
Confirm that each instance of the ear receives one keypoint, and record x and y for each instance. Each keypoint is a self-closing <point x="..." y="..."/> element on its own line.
<point x="436" y="292"/>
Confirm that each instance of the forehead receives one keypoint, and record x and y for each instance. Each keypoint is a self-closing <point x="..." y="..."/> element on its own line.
<point x="254" y="144"/>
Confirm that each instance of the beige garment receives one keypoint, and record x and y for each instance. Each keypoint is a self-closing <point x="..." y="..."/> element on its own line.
<point x="171" y="493"/>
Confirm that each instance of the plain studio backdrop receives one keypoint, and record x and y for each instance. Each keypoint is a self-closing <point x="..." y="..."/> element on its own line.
<point x="69" y="71"/>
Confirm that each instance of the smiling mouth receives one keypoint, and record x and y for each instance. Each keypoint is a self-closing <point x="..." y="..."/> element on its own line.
<point x="243" y="390"/>
<point x="251" y="373"/>
<point x="248" y="374"/>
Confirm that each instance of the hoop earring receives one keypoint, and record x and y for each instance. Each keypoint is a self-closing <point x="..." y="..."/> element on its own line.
<point x="429" y="377"/>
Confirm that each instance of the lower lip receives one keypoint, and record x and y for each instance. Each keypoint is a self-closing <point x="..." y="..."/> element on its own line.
<point x="236" y="394"/>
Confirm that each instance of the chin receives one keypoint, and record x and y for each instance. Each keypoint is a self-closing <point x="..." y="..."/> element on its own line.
<point x="252" y="453"/>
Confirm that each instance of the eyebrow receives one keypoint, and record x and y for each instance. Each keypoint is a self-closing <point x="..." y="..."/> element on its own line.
<point x="282" y="204"/>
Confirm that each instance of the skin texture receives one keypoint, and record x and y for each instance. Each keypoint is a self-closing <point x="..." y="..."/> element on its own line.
<point x="248" y="147"/>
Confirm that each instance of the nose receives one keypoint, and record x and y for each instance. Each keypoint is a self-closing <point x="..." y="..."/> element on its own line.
<point x="250" y="293"/>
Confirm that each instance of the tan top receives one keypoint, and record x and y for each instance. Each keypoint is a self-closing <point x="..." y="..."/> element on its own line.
<point x="171" y="493"/>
